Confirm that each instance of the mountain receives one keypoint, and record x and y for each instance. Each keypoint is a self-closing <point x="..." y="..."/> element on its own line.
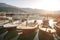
<point x="8" y="8"/>
<point x="30" y="10"/>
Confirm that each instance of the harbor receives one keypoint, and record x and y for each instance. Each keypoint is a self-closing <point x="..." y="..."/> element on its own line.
<point x="29" y="20"/>
<point x="29" y="30"/>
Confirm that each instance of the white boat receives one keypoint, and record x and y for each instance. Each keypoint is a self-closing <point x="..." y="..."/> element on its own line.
<point x="28" y="30"/>
<point x="45" y="31"/>
<point x="57" y="28"/>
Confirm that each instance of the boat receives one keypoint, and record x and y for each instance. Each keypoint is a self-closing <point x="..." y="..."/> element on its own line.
<point x="3" y="31"/>
<point x="3" y="20"/>
<point x="57" y="28"/>
<point x="11" y="32"/>
<point x="28" y="29"/>
<point x="45" y="31"/>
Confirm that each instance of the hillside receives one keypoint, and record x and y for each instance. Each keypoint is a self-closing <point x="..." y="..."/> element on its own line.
<point x="9" y="8"/>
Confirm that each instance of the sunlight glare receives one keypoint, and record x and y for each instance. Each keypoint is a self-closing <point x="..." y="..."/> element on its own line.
<point x="51" y="23"/>
<point x="50" y="5"/>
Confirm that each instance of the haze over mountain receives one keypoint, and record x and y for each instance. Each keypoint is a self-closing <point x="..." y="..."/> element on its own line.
<point x="9" y="8"/>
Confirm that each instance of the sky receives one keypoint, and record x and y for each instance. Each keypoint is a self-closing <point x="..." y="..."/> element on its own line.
<point x="35" y="4"/>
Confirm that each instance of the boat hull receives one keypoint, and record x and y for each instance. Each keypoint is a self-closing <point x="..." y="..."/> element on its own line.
<point x="43" y="35"/>
<point x="27" y="34"/>
<point x="57" y="30"/>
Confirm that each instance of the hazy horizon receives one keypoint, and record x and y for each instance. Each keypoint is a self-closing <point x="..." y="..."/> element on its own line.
<point x="35" y="4"/>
